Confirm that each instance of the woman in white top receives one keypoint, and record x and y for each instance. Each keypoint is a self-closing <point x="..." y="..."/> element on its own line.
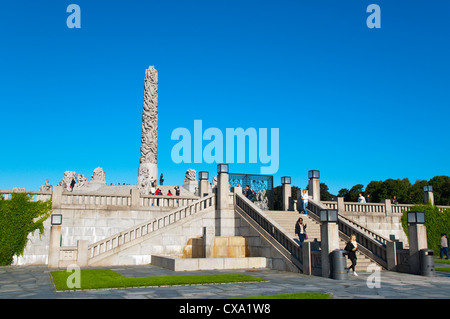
<point x="304" y="200"/>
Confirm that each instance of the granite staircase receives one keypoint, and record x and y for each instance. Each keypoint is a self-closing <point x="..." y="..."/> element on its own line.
<point x="287" y="220"/>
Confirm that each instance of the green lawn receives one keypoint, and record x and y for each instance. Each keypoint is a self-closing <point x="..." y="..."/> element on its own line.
<point x="442" y="261"/>
<point x="106" y="278"/>
<point x="300" y="295"/>
<point x="446" y="269"/>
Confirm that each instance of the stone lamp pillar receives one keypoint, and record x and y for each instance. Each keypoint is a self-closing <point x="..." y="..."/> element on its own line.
<point x="55" y="241"/>
<point x="417" y="236"/>
<point x="286" y="192"/>
<point x="224" y="213"/>
<point x="203" y="184"/>
<point x="314" y="185"/>
<point x="428" y="195"/>
<point x="329" y="232"/>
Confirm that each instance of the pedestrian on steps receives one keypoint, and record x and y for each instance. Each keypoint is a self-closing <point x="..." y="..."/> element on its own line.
<point x="304" y="200"/>
<point x="300" y="230"/>
<point x="351" y="249"/>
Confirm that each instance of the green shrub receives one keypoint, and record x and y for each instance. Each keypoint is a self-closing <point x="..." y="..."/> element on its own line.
<point x="19" y="217"/>
<point x="437" y="222"/>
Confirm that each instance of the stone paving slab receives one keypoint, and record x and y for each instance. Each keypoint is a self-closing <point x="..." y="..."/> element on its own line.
<point x="33" y="282"/>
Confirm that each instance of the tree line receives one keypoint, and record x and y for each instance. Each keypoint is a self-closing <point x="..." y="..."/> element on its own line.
<point x="403" y="189"/>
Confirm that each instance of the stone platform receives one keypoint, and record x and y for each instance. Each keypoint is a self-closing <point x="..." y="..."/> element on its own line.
<point x="192" y="264"/>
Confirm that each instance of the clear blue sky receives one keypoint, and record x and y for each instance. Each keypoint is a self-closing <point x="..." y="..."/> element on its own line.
<point x="358" y="104"/>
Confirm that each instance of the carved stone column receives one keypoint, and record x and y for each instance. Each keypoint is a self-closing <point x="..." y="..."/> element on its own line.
<point x="148" y="167"/>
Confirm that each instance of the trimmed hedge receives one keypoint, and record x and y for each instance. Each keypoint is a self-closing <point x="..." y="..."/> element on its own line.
<point x="437" y="223"/>
<point x="19" y="216"/>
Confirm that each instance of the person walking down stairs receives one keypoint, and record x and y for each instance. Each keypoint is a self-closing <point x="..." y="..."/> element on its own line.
<point x="300" y="230"/>
<point x="351" y="249"/>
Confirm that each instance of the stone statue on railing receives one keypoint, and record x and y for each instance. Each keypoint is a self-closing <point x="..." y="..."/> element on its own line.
<point x="144" y="181"/>
<point x="82" y="181"/>
<point x="69" y="176"/>
<point x="98" y="176"/>
<point x="46" y="187"/>
<point x="261" y="200"/>
<point x="190" y="180"/>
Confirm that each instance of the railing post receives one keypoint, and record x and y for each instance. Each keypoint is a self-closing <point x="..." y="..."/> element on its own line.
<point x="306" y="258"/>
<point x="57" y="197"/>
<point x="54" y="247"/>
<point x="224" y="215"/>
<point x="286" y="193"/>
<point x="391" y="255"/>
<point x="340" y="205"/>
<point x="388" y="207"/>
<point x="135" y="197"/>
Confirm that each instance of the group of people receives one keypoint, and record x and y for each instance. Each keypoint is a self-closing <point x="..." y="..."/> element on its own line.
<point x="364" y="200"/>
<point x="158" y="191"/>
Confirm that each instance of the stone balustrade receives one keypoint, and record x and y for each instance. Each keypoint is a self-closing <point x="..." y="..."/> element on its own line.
<point x="386" y="208"/>
<point x="79" y="199"/>
<point x="138" y="231"/>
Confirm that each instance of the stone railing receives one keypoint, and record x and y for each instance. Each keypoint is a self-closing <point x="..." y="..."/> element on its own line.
<point x="148" y="227"/>
<point x="166" y="201"/>
<point x="269" y="226"/>
<point x="371" y="244"/>
<point x="134" y="200"/>
<point x="36" y="195"/>
<point x="95" y="199"/>
<point x="386" y="208"/>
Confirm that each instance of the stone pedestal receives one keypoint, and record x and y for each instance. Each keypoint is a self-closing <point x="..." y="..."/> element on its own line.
<point x="428" y="197"/>
<point x="203" y="188"/>
<point x="329" y="242"/>
<point x="224" y="211"/>
<point x="54" y="247"/>
<point x="287" y="196"/>
<point x="191" y="186"/>
<point x="417" y="234"/>
<point x="314" y="189"/>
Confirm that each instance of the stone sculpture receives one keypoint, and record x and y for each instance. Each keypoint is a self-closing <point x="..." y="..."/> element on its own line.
<point x="149" y="136"/>
<point x="98" y="176"/>
<point x="190" y="181"/>
<point x="261" y="200"/>
<point x="144" y="182"/>
<point x="46" y="187"/>
<point x="68" y="177"/>
<point x="82" y="181"/>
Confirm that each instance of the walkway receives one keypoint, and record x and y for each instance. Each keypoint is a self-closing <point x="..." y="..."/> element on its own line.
<point x="33" y="282"/>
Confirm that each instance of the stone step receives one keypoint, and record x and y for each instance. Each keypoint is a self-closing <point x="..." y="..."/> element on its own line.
<point x="287" y="220"/>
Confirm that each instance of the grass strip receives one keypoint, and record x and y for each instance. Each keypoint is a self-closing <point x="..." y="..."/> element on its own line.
<point x="442" y="261"/>
<point x="445" y="269"/>
<point x="299" y="295"/>
<point x="106" y="278"/>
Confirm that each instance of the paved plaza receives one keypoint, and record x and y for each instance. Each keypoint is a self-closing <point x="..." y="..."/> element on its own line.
<point x="33" y="282"/>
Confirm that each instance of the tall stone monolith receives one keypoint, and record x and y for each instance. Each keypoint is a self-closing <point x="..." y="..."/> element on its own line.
<point x="148" y="167"/>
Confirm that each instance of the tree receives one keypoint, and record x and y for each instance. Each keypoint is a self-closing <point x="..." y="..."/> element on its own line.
<point x="324" y="193"/>
<point x="354" y="192"/>
<point x="440" y="189"/>
<point x="375" y="189"/>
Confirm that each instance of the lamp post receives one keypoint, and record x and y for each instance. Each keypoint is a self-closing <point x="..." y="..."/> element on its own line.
<point x="203" y="183"/>
<point x="314" y="184"/>
<point x="428" y="195"/>
<point x="55" y="240"/>
<point x="224" y="215"/>
<point x="286" y="191"/>
<point x="417" y="237"/>
<point x="329" y="232"/>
